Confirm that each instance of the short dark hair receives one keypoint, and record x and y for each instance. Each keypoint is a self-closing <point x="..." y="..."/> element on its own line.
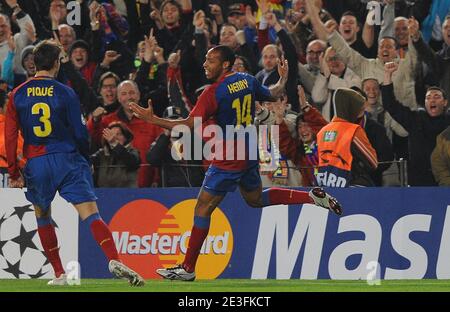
<point x="245" y="62"/>
<point x="349" y="13"/>
<point x="444" y="95"/>
<point x="226" y="54"/>
<point x="46" y="53"/>
<point x="392" y="38"/>
<point x="230" y="25"/>
<point x="172" y="2"/>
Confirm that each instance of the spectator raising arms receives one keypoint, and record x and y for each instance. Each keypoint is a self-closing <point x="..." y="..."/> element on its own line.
<point x="422" y="126"/>
<point x="302" y="148"/>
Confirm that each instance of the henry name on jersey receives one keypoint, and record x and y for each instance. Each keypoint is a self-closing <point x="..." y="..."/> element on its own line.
<point x="237" y="86"/>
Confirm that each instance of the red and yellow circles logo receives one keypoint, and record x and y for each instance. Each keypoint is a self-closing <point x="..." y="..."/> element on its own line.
<point x="149" y="236"/>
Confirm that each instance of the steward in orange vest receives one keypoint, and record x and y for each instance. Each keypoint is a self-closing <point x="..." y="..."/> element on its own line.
<point x="346" y="156"/>
<point x="3" y="163"/>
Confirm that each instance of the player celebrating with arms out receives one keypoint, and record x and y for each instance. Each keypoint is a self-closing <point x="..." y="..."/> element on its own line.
<point x="56" y="146"/>
<point x="231" y="101"/>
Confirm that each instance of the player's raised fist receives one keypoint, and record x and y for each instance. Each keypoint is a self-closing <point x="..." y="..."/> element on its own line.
<point x="283" y="68"/>
<point x="390" y="67"/>
<point x="413" y="28"/>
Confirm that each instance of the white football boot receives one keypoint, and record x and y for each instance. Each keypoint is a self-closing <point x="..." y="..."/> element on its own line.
<point x="322" y="199"/>
<point x="120" y="270"/>
<point x="177" y="273"/>
<point x="59" y="281"/>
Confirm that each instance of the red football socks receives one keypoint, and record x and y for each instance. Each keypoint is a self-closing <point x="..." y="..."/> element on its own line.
<point x="50" y="243"/>
<point x="104" y="238"/>
<point x="198" y="235"/>
<point x="275" y="195"/>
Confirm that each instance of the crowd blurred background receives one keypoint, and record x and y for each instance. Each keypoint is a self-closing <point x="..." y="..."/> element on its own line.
<point x="122" y="51"/>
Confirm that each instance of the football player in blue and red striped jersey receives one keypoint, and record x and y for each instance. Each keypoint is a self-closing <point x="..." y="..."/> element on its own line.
<point x="230" y="100"/>
<point x="49" y="117"/>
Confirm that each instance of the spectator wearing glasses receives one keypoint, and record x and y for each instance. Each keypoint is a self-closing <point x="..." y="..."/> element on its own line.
<point x="144" y="134"/>
<point x="309" y="71"/>
<point x="108" y="102"/>
<point x="241" y="65"/>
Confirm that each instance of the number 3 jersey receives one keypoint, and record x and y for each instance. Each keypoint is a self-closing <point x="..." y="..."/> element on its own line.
<point x="230" y="103"/>
<point x="49" y="116"/>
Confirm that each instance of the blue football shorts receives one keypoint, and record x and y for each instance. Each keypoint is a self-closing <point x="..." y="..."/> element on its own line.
<point x="68" y="173"/>
<point x="220" y="181"/>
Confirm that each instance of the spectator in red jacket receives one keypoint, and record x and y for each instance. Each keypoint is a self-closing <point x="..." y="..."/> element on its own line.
<point x="144" y="133"/>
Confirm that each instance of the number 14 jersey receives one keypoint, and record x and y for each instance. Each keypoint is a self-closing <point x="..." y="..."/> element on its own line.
<point x="230" y="102"/>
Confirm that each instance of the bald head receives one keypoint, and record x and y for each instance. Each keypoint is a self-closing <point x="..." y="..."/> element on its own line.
<point x="127" y="92"/>
<point x="67" y="36"/>
<point x="313" y="51"/>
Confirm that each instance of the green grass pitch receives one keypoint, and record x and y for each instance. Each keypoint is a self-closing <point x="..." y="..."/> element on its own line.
<point x="229" y="285"/>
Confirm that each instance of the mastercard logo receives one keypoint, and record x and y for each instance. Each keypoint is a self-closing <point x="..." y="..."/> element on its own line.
<point x="149" y="236"/>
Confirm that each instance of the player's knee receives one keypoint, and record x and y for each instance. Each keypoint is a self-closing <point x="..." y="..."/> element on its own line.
<point x="41" y="213"/>
<point x="204" y="209"/>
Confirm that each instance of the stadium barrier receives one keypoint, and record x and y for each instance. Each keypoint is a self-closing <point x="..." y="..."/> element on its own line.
<point x="386" y="233"/>
<point x="399" y="174"/>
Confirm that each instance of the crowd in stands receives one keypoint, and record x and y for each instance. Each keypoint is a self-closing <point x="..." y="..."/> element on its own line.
<point x="396" y="55"/>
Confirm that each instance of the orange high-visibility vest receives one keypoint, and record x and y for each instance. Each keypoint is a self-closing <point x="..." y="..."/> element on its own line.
<point x="3" y="162"/>
<point x="335" y="157"/>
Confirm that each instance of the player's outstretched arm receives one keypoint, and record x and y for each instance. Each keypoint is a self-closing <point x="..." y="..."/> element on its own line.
<point x="147" y="115"/>
<point x="278" y="89"/>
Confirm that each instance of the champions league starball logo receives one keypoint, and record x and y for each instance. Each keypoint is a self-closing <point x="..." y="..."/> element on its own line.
<point x="21" y="253"/>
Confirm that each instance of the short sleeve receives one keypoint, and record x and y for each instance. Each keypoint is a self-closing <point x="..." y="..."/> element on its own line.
<point x="206" y="105"/>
